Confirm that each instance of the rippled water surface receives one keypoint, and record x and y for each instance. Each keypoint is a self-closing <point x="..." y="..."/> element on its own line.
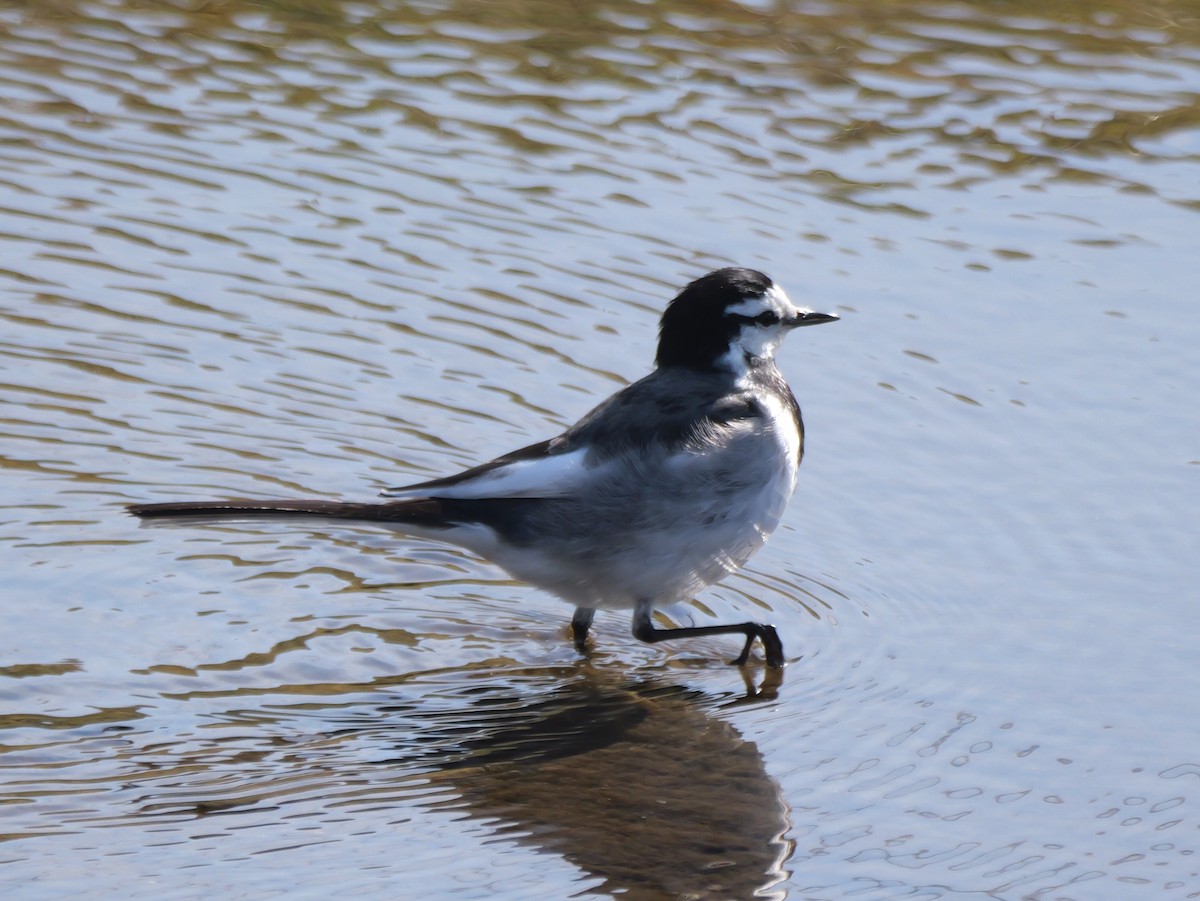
<point x="290" y="249"/>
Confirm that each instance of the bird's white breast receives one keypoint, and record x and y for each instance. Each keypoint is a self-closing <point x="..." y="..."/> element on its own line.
<point x="783" y="428"/>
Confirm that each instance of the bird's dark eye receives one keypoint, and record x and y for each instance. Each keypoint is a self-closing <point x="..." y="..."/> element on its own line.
<point x="765" y="318"/>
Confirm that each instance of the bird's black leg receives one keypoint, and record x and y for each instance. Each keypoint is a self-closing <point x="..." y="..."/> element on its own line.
<point x="644" y="630"/>
<point x="580" y="623"/>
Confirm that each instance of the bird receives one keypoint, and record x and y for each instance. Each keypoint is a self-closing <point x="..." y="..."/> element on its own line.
<point x="664" y="488"/>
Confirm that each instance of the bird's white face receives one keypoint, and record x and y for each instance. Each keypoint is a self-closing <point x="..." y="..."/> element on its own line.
<point x="765" y="321"/>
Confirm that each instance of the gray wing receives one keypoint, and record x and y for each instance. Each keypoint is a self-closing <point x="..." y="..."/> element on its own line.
<point x="664" y="411"/>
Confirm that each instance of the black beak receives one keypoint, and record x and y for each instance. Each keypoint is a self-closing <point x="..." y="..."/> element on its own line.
<point x="808" y="317"/>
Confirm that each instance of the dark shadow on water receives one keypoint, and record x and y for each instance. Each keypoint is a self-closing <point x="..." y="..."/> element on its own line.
<point x="635" y="783"/>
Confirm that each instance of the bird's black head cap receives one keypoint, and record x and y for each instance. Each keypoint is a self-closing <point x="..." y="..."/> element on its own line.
<point x="695" y="331"/>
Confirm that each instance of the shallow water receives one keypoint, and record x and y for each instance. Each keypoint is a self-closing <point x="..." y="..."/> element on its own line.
<point x="316" y="249"/>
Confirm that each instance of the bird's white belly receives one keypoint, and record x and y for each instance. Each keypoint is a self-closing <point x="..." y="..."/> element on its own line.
<point x="672" y="543"/>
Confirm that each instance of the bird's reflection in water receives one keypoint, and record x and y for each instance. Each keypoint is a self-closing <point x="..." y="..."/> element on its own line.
<point x="637" y="784"/>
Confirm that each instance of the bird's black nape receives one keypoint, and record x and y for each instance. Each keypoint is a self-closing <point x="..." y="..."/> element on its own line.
<point x="694" y="331"/>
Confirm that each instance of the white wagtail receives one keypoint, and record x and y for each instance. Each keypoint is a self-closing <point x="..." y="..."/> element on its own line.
<point x="664" y="488"/>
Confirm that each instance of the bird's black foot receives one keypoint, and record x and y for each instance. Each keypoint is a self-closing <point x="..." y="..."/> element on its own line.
<point x="772" y="646"/>
<point x="644" y="630"/>
<point x="580" y="623"/>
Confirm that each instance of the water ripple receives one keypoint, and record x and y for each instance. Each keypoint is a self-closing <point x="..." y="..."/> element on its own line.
<point x="320" y="248"/>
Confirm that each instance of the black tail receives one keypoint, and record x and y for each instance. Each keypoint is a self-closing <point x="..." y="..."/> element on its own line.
<point x="423" y="511"/>
<point x="505" y="515"/>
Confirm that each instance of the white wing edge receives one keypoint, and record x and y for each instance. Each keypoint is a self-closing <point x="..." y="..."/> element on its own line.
<point x="554" y="476"/>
